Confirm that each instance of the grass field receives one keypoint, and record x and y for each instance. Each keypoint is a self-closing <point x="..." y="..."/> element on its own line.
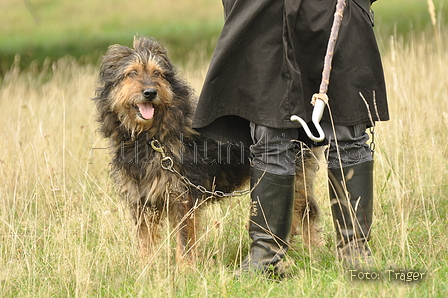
<point x="65" y="233"/>
<point x="37" y="29"/>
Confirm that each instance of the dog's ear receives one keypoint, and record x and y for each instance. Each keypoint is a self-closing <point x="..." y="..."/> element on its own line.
<point x="113" y="63"/>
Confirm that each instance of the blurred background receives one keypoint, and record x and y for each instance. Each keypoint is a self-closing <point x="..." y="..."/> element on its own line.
<point x="35" y="30"/>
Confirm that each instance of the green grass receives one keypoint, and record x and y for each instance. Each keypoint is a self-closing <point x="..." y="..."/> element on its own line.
<point x="37" y="29"/>
<point x="404" y="17"/>
<point x="52" y="28"/>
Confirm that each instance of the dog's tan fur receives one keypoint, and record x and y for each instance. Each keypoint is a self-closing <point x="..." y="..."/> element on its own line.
<point x="151" y="191"/>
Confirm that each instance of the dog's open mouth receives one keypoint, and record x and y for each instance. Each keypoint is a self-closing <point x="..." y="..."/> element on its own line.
<point x="145" y="110"/>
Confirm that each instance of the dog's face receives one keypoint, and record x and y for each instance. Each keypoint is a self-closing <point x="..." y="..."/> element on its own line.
<point x="137" y="83"/>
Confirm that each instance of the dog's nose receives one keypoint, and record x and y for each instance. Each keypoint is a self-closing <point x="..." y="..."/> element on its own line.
<point x="150" y="93"/>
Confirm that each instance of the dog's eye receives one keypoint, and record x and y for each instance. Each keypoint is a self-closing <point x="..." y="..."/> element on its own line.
<point x="157" y="73"/>
<point x="132" y="73"/>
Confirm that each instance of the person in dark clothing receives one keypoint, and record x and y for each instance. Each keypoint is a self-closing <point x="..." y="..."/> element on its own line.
<point x="266" y="66"/>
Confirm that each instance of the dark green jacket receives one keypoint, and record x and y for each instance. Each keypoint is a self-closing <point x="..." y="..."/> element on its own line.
<point x="268" y="63"/>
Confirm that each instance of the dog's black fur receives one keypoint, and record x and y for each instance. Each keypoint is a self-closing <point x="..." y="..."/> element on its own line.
<point x="152" y="191"/>
<point x="140" y="99"/>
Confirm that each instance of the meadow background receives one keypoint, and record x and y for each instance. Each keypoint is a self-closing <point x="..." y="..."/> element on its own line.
<point x="65" y="233"/>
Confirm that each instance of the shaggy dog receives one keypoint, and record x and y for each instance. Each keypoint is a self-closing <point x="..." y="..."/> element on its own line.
<point x="160" y="165"/>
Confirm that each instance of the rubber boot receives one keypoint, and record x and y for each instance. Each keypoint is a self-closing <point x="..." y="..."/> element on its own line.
<point x="351" y="194"/>
<point x="272" y="199"/>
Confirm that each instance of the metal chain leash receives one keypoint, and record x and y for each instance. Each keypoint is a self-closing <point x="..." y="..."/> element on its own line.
<point x="167" y="164"/>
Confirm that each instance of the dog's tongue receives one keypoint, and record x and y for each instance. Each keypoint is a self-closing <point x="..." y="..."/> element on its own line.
<point x="146" y="109"/>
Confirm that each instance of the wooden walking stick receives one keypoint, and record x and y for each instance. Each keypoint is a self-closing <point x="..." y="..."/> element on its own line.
<point x="319" y="100"/>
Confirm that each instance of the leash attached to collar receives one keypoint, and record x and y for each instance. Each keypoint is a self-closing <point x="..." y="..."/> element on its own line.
<point x="320" y="100"/>
<point x="167" y="164"/>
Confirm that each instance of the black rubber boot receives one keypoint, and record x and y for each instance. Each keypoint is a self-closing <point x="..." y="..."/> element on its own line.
<point x="272" y="200"/>
<point x="352" y="209"/>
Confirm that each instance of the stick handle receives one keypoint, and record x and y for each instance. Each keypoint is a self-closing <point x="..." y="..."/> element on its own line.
<point x="318" y="111"/>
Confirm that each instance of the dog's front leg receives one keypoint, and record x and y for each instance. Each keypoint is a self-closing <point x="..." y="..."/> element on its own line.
<point x="148" y="225"/>
<point x="184" y="222"/>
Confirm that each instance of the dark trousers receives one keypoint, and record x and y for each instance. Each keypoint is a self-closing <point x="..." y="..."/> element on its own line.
<point x="272" y="150"/>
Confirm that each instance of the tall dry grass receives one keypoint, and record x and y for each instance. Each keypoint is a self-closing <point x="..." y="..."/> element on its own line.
<point x="64" y="232"/>
<point x="411" y="162"/>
